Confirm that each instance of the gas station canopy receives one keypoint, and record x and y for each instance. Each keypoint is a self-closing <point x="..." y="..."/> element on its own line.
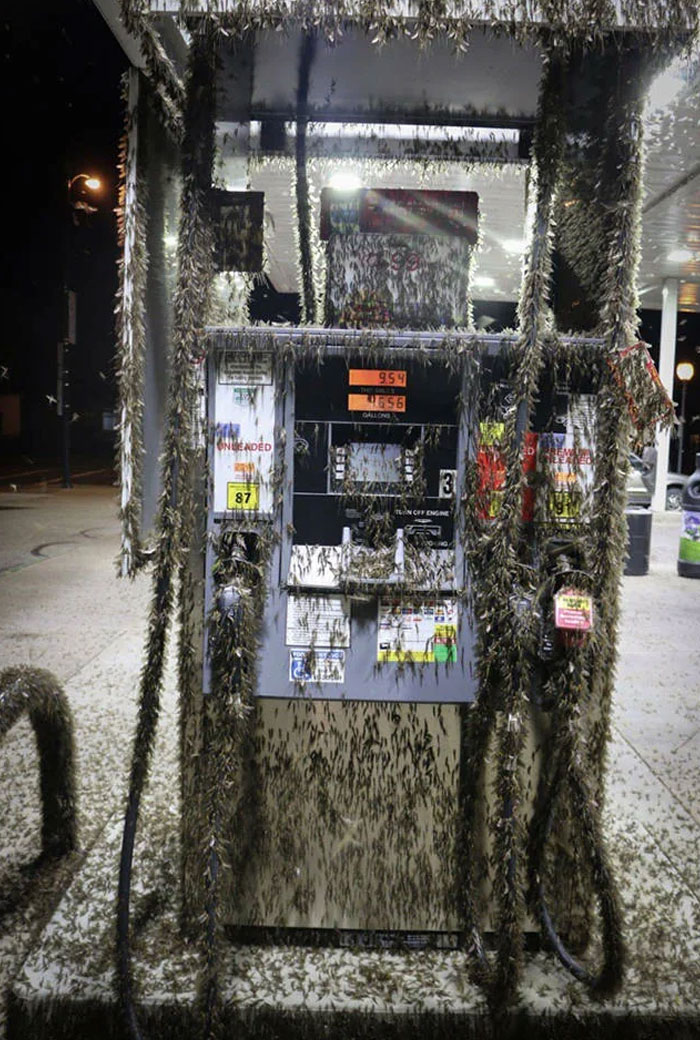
<point x="433" y="101"/>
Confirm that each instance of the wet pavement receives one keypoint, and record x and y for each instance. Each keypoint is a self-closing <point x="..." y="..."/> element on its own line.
<point x="63" y="608"/>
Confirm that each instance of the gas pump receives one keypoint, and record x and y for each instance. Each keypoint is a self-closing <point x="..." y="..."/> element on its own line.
<point x="340" y="454"/>
<point x="338" y="569"/>
<point x="340" y="462"/>
<point x="345" y="462"/>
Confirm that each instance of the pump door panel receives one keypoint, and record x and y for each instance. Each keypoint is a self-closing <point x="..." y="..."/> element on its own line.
<point x="367" y="583"/>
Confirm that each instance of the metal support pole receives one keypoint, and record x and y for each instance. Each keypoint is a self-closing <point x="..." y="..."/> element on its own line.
<point x="68" y="326"/>
<point x="65" y="414"/>
<point x="681" y="430"/>
<point x="667" y="360"/>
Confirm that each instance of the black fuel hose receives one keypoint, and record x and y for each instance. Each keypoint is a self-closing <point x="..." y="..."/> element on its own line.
<point x="230" y="609"/>
<point x="609" y="977"/>
<point x="479" y="735"/>
<point x="149" y="710"/>
<point x="567" y="772"/>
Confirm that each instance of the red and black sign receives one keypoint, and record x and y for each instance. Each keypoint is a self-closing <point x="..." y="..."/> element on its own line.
<point x="400" y="211"/>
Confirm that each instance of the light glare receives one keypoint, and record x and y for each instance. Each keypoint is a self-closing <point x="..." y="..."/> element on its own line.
<point x="667" y="85"/>
<point x="345" y="180"/>
<point x="680" y="256"/>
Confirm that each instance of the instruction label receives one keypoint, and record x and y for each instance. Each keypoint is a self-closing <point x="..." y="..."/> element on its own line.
<point x="420" y="632"/>
<point x="239" y="369"/>
<point x="243" y="433"/>
<point x="316" y="666"/>
<point x="567" y="457"/>
<point x="318" y="621"/>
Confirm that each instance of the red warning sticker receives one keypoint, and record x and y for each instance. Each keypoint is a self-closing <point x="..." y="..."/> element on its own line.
<point x="573" y="609"/>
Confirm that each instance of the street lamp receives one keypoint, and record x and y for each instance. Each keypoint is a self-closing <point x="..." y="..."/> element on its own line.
<point x="93" y="183"/>
<point x="76" y="202"/>
<point x="685" y="371"/>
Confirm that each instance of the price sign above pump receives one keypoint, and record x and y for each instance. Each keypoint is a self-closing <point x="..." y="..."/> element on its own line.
<point x="398" y="257"/>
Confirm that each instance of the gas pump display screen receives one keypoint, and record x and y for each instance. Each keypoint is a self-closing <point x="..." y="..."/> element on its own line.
<point x="376" y="403"/>
<point x="374" y="463"/>
<point x="391" y="377"/>
<point x="373" y="441"/>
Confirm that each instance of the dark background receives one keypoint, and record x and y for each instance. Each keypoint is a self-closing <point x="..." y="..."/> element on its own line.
<point x="61" y="71"/>
<point x="61" y="78"/>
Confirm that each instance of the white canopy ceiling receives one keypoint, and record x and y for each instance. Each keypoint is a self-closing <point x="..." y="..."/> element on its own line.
<point x="494" y="84"/>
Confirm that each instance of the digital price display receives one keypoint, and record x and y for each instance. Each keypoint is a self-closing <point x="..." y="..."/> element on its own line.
<point x="377" y="377"/>
<point x="376" y="403"/>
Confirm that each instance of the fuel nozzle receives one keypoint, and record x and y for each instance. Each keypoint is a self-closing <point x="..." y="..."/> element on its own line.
<point x="230" y="604"/>
<point x="568" y="619"/>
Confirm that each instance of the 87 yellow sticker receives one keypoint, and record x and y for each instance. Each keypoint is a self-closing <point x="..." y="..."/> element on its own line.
<point x="242" y="496"/>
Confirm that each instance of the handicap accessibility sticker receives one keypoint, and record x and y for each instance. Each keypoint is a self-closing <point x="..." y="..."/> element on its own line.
<point x="312" y="665"/>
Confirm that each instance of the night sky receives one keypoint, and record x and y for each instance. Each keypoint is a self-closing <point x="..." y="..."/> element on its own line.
<point x="61" y="70"/>
<point x="61" y="73"/>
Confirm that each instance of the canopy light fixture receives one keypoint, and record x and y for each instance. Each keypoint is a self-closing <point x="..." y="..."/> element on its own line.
<point x="344" y="180"/>
<point x="400" y="131"/>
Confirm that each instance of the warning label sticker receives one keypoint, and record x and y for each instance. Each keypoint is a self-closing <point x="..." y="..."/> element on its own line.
<point x="311" y="665"/>
<point x="573" y="610"/>
<point x="420" y="632"/>
<point x="318" y="621"/>
<point x="245" y="370"/>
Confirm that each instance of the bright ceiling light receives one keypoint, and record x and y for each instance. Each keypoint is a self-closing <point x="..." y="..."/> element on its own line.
<point x="93" y="183"/>
<point x="402" y="131"/>
<point x="685" y="371"/>
<point x="680" y="256"/>
<point x="483" y="281"/>
<point x="514" y="245"/>
<point x="344" y="180"/>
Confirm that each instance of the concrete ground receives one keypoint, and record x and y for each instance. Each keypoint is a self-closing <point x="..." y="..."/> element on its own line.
<point x="63" y="608"/>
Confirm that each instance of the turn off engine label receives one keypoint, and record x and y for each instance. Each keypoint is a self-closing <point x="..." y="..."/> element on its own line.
<point x="421" y="632"/>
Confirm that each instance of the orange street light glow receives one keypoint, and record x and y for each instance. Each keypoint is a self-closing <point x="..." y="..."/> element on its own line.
<point x="93" y="183"/>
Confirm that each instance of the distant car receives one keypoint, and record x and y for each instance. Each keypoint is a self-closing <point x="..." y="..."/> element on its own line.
<point x="640" y="485"/>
